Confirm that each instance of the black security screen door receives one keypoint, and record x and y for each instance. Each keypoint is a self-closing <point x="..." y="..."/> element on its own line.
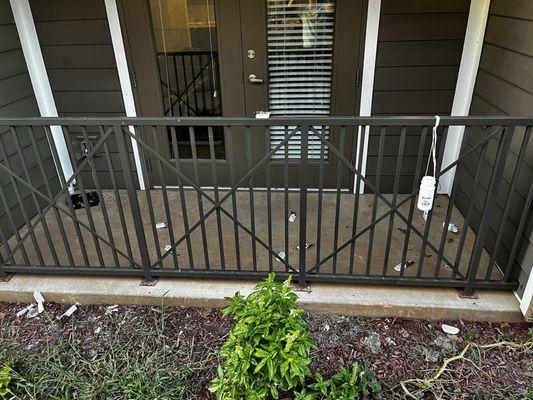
<point x="290" y="58"/>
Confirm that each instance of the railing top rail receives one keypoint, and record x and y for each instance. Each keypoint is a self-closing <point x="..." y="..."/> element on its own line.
<point x="246" y="121"/>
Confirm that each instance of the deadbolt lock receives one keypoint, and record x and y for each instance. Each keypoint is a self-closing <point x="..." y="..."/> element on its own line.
<point x="251" y="54"/>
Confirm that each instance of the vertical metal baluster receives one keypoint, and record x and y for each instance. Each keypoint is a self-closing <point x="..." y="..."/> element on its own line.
<point x="165" y="199"/>
<point x="134" y="201"/>
<point x="178" y="94"/>
<point x="427" y="226"/>
<point x="382" y="135"/>
<point x="304" y="134"/>
<point x="519" y="230"/>
<point x="195" y="94"/>
<point x="516" y="174"/>
<point x="286" y="193"/>
<point x="319" y="205"/>
<point x="177" y="163"/>
<point x="355" y="214"/>
<point x="251" y="195"/>
<point x="447" y="218"/>
<point x="202" y="83"/>
<point x="187" y="105"/>
<point x="50" y="194"/>
<point x="397" y="175"/>
<point x="27" y="222"/>
<point x="338" y="198"/>
<point x="102" y="201"/>
<point x="489" y="206"/>
<point x="68" y="200"/>
<point x="38" y="207"/>
<point x="151" y="215"/>
<point x="412" y="202"/>
<point x="4" y="243"/>
<point x="116" y="193"/>
<point x="88" y="211"/>
<point x="231" y="161"/>
<point x="471" y="206"/>
<point x="269" y="198"/>
<point x="192" y="139"/>
<point x="217" y="197"/>
<point x="14" y="228"/>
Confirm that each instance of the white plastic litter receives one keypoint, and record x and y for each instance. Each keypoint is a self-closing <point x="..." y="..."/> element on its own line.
<point x="32" y="313"/>
<point x="262" y="114"/>
<point x="70" y="311"/>
<point x="450" y="330"/>
<point x="307" y="245"/>
<point x="281" y="256"/>
<point x="161" y="225"/>
<point x="398" y="267"/>
<point x="451" y="227"/>
<point x="292" y="216"/>
<point x="25" y="310"/>
<point x="168" y="247"/>
<point x="111" y="309"/>
<point x="40" y="301"/>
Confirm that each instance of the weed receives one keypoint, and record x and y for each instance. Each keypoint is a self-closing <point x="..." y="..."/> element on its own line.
<point x="470" y="335"/>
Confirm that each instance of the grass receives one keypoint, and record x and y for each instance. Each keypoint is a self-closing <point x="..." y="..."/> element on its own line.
<point x="132" y="365"/>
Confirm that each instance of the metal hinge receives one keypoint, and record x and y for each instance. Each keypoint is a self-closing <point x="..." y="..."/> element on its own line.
<point x="133" y="79"/>
<point x="357" y="76"/>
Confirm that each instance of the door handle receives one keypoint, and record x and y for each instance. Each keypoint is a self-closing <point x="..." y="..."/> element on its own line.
<point x="254" y="79"/>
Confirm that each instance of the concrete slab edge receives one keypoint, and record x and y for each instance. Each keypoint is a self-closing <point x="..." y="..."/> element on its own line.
<point x="353" y="300"/>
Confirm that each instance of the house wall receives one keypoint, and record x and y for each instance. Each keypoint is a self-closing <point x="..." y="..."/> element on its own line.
<point x="79" y="58"/>
<point x="17" y="100"/>
<point x="417" y="62"/>
<point x="504" y="86"/>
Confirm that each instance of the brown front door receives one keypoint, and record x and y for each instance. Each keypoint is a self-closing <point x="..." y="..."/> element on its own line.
<point x="234" y="58"/>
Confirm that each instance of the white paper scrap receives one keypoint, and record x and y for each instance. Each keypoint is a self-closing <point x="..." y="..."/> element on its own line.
<point x="450" y="330"/>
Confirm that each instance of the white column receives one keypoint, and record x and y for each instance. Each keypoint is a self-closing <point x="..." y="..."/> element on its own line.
<point x="124" y="78"/>
<point x="39" y="78"/>
<point x="464" y="89"/>
<point x="367" y="83"/>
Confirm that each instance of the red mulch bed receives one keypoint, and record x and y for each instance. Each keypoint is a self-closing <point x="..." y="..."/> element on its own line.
<point x="396" y="349"/>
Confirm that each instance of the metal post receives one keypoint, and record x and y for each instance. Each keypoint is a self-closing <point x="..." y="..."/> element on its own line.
<point x="304" y="134"/>
<point x="489" y="206"/>
<point x="134" y="201"/>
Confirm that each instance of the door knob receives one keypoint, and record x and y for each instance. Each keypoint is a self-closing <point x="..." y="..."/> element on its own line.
<point x="254" y="79"/>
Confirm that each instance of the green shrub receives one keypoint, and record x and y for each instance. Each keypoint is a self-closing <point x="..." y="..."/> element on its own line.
<point x="268" y="348"/>
<point x="347" y="384"/>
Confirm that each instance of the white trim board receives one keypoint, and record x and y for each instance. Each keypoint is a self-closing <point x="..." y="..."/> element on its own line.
<point x="367" y="84"/>
<point x="125" y="79"/>
<point x="39" y="80"/>
<point x="464" y="89"/>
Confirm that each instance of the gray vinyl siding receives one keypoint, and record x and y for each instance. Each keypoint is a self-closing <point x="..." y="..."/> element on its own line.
<point x="79" y="58"/>
<point x="417" y="62"/>
<point x="17" y="100"/>
<point x="504" y="86"/>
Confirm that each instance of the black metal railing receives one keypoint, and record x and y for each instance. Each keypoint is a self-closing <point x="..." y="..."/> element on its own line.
<point x="249" y="214"/>
<point x="189" y="82"/>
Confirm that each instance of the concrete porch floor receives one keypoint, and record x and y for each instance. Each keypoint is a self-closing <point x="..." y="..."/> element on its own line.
<point x="156" y="245"/>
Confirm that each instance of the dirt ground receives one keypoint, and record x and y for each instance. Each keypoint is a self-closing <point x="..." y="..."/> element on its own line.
<point x="395" y="349"/>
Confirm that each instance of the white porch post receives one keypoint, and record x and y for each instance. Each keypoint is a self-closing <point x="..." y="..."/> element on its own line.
<point x="125" y="80"/>
<point x="526" y="302"/>
<point x="367" y="84"/>
<point x="39" y="78"/>
<point x="464" y="89"/>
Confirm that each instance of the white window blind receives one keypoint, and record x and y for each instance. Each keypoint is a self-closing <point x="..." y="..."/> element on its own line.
<point x="300" y="54"/>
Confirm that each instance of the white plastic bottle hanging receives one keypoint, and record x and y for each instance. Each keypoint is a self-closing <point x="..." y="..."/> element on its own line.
<point x="426" y="193"/>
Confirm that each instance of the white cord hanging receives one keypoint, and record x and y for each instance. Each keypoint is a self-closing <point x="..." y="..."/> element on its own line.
<point x="427" y="186"/>
<point x="211" y="49"/>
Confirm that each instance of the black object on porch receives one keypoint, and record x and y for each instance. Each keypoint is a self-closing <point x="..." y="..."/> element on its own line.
<point x="277" y="213"/>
